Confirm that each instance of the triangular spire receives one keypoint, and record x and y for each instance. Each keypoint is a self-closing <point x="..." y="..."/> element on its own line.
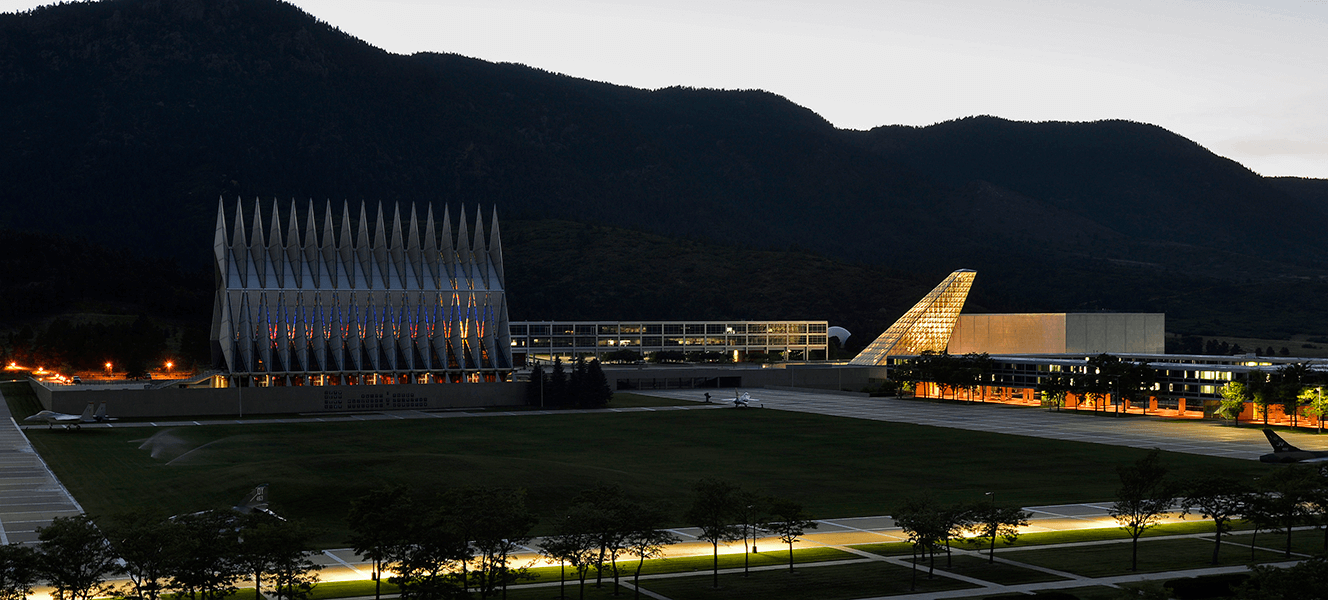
<point x="926" y="326"/>
<point x="364" y="278"/>
<point x="413" y="266"/>
<point x="311" y="268"/>
<point x="479" y="253"/>
<point x="462" y="273"/>
<point x="430" y="252"/>
<point x="276" y="252"/>
<point x="447" y="253"/>
<point x="383" y="270"/>
<point x="496" y="251"/>
<point x="258" y="249"/>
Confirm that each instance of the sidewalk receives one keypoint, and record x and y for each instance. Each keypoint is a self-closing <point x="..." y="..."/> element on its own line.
<point x="30" y="495"/>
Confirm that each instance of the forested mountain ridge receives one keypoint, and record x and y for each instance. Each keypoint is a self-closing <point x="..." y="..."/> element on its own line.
<point x="125" y="120"/>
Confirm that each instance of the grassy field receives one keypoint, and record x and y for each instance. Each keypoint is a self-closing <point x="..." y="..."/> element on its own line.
<point x="838" y="467"/>
<point x="1154" y="555"/>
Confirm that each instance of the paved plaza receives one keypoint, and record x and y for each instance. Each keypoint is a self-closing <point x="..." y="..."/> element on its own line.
<point x="30" y="496"/>
<point x="1209" y="438"/>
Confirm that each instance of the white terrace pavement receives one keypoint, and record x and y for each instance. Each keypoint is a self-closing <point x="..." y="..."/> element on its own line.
<point x="1209" y="438"/>
<point x="30" y="495"/>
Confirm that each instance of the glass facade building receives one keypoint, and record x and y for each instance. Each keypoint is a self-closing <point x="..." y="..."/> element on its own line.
<point x="735" y="340"/>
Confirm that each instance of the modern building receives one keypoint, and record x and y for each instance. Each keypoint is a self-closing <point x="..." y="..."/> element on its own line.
<point x="737" y="340"/>
<point x="1186" y="385"/>
<point x="935" y="324"/>
<point x="369" y="302"/>
<point x="1059" y="333"/>
<point x="925" y="327"/>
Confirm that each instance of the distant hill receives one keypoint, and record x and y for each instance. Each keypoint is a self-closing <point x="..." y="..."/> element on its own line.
<point x="1313" y="192"/>
<point x="124" y="121"/>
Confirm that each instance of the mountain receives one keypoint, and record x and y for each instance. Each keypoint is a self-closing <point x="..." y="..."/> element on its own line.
<point x="124" y="121"/>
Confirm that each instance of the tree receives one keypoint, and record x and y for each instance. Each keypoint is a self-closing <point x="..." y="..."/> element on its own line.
<point x="557" y="393"/>
<point x="277" y="552"/>
<point x="1053" y="389"/>
<point x="1221" y="499"/>
<point x="605" y="515"/>
<point x="148" y="545"/>
<point x="597" y="393"/>
<point x="991" y="521"/>
<point x="570" y="546"/>
<point x="207" y="567"/>
<point x="535" y="389"/>
<point x="925" y="526"/>
<point x="18" y="571"/>
<point x="1144" y="496"/>
<point x="1234" y="396"/>
<point x="714" y="511"/>
<point x="376" y="524"/>
<point x="751" y="510"/>
<point x="1262" y="392"/>
<point x="973" y="369"/>
<point x="788" y="521"/>
<point x="1291" y="382"/>
<point x="427" y="554"/>
<point x="1312" y="397"/>
<point x="1306" y="580"/>
<point x="646" y="537"/>
<point x="497" y="522"/>
<point x="1287" y="492"/>
<point x="75" y="558"/>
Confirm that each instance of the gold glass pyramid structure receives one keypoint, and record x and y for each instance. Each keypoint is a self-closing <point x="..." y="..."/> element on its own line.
<point x="926" y="326"/>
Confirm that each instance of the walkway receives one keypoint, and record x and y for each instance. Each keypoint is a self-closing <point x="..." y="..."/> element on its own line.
<point x="1209" y="438"/>
<point x="30" y="495"/>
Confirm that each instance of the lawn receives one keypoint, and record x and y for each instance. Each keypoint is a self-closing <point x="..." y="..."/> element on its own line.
<point x="838" y="467"/>
<point x="1154" y="555"/>
<point x="831" y="582"/>
<point x="995" y="572"/>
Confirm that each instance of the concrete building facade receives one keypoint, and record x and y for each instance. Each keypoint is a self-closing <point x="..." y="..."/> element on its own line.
<point x="1059" y="333"/>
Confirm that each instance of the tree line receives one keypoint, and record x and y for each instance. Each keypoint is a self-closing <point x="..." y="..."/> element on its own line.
<point x="585" y="387"/>
<point x="453" y="544"/>
<point x="1294" y="387"/>
<point x="200" y="556"/>
<point x="463" y="542"/>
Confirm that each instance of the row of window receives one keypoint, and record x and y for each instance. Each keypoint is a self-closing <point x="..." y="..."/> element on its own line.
<point x="663" y="328"/>
<point x="661" y="342"/>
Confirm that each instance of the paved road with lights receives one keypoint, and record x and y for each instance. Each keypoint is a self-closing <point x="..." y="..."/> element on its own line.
<point x="1191" y="436"/>
<point x="30" y="495"/>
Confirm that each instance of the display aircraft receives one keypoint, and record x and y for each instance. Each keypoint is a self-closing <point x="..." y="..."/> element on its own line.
<point x="1286" y="453"/>
<point x="743" y="401"/>
<point x="256" y="501"/>
<point x="52" y="418"/>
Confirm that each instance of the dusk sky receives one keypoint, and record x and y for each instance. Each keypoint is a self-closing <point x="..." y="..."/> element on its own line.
<point x="1245" y="79"/>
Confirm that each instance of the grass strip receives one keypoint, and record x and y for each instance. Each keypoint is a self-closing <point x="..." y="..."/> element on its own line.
<point x="21" y="400"/>
<point x="832" y="582"/>
<point x="995" y="572"/>
<point x="688" y="564"/>
<point x="1154" y="556"/>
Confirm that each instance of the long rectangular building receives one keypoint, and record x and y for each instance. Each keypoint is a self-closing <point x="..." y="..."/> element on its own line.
<point x="735" y="340"/>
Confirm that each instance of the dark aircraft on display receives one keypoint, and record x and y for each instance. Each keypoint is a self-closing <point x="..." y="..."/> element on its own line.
<point x="256" y="501"/>
<point x="52" y="418"/>
<point x="1286" y="453"/>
